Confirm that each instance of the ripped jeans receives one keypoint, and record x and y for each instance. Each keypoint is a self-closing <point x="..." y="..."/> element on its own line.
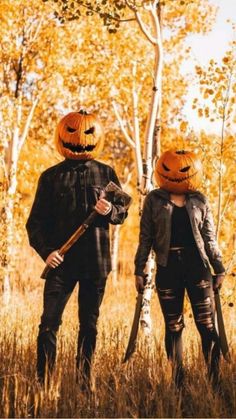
<point x="185" y="270"/>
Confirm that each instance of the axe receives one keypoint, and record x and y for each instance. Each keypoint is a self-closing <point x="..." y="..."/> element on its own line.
<point x="111" y="187"/>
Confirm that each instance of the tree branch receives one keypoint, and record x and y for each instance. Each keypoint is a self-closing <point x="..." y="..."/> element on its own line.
<point x="27" y="124"/>
<point x="141" y="24"/>
<point x="144" y="29"/>
<point x="123" y="129"/>
<point x="4" y="167"/>
<point x="227" y="201"/>
<point x="138" y="154"/>
<point x="37" y="29"/>
<point x="156" y="22"/>
<point x="18" y="70"/>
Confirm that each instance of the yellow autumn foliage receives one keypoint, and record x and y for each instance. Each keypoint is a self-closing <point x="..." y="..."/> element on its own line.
<point x="65" y="66"/>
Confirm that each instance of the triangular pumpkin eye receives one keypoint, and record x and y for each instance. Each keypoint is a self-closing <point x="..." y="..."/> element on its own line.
<point x="185" y="169"/>
<point x="69" y="129"/>
<point x="165" y="167"/>
<point x="90" y="130"/>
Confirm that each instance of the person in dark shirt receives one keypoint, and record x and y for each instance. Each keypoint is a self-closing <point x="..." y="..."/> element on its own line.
<point x="177" y="224"/>
<point x="67" y="193"/>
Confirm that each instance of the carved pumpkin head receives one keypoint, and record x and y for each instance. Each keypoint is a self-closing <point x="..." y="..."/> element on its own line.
<point x="79" y="136"/>
<point x="178" y="171"/>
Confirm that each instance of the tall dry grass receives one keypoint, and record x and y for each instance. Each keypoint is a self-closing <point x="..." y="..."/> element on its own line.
<point x="140" y="388"/>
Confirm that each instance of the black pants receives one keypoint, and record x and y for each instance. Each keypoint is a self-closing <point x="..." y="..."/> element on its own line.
<point x="185" y="270"/>
<point x="57" y="292"/>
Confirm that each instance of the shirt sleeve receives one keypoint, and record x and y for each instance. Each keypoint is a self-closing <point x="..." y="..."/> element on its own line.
<point x="145" y="238"/>
<point x="210" y="243"/>
<point x="39" y="223"/>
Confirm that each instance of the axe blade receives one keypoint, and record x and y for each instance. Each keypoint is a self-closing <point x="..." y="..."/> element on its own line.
<point x="134" y="329"/>
<point x="221" y="328"/>
<point x="113" y="187"/>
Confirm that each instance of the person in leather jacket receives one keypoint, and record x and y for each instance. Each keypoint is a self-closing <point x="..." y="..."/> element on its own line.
<point x="67" y="193"/>
<point x="178" y="225"/>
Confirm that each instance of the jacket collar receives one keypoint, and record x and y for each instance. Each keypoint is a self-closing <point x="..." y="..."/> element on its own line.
<point x="162" y="193"/>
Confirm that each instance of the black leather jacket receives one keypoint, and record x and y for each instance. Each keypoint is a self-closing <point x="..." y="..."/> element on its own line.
<point x="66" y="194"/>
<point x="155" y="229"/>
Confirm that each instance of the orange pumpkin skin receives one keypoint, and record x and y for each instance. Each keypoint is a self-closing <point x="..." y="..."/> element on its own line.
<point x="79" y="136"/>
<point x="178" y="171"/>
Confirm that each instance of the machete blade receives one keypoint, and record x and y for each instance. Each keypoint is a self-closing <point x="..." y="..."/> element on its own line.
<point x="134" y="330"/>
<point x="221" y="328"/>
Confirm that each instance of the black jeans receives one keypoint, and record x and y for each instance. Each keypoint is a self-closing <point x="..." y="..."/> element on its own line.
<point x="57" y="292"/>
<point x="185" y="270"/>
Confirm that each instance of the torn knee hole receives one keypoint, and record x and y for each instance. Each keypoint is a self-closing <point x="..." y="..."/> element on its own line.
<point x="203" y="284"/>
<point x="205" y="319"/>
<point x="167" y="294"/>
<point x="204" y="304"/>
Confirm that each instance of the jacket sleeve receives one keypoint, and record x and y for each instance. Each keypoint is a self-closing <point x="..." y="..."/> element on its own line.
<point x="119" y="211"/>
<point x="145" y="238"/>
<point x="210" y="243"/>
<point x="39" y="223"/>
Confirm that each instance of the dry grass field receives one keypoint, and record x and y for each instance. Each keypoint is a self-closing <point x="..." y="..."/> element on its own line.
<point x="140" y="388"/>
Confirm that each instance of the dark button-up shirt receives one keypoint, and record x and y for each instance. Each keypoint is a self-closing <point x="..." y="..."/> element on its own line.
<point x="66" y="195"/>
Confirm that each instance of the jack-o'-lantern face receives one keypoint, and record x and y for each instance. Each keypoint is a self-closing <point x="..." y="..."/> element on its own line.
<point x="178" y="171"/>
<point x="79" y="136"/>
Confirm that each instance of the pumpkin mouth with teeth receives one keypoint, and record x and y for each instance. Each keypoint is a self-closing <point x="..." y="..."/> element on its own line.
<point x="79" y="136"/>
<point x="178" y="171"/>
<point x="176" y="179"/>
<point x="78" y="148"/>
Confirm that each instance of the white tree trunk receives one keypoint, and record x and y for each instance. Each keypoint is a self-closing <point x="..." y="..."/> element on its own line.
<point x="11" y="164"/>
<point x="153" y="116"/>
<point x="9" y="214"/>
<point x="144" y="167"/>
<point x="136" y="139"/>
<point x="115" y="253"/>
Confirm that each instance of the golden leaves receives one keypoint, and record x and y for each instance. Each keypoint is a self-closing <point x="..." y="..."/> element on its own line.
<point x="217" y="85"/>
<point x="200" y="112"/>
<point x="183" y="126"/>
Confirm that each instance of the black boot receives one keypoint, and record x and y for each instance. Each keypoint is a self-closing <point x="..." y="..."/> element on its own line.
<point x="83" y="373"/>
<point x="46" y="354"/>
<point x="85" y="351"/>
<point x="178" y="377"/>
<point x="214" y="368"/>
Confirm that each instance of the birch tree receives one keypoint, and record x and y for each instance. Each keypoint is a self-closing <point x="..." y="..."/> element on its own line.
<point x="153" y="34"/>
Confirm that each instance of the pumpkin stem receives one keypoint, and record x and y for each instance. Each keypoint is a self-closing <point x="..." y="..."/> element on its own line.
<point x="181" y="152"/>
<point x="83" y="112"/>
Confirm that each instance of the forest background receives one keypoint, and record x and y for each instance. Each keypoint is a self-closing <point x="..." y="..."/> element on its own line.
<point x="49" y="66"/>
